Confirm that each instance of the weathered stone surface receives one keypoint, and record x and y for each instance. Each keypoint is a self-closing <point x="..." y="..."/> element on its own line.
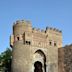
<point x="61" y="60"/>
<point x="68" y="58"/>
<point x="65" y="59"/>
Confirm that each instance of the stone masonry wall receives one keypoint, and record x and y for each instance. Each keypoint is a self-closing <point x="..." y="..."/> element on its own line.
<point x="65" y="59"/>
<point x="61" y="60"/>
<point x="68" y="58"/>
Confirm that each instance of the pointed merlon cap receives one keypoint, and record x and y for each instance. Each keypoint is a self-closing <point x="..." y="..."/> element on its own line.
<point x="53" y="29"/>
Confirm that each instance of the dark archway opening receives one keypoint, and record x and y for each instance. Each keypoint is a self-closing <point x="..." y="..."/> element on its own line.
<point x="44" y="59"/>
<point x="38" y="66"/>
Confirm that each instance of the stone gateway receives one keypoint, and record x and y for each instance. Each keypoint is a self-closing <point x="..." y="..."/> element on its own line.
<point x="34" y="50"/>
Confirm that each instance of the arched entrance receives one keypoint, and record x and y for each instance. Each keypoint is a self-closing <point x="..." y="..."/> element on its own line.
<point x="40" y="63"/>
<point x="38" y="66"/>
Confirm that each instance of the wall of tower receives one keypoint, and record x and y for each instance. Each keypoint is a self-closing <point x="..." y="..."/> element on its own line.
<point x="21" y="58"/>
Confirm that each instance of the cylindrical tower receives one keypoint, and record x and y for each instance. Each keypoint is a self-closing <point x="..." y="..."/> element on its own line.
<point x="21" y="51"/>
<point x="21" y="26"/>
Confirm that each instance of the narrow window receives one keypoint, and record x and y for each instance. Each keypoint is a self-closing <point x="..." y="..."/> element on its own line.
<point x="50" y="43"/>
<point x="26" y="42"/>
<point x="29" y="43"/>
<point x="55" y="44"/>
<point x="17" y="38"/>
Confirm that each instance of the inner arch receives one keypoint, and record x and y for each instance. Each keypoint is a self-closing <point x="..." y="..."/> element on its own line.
<point x="38" y="66"/>
<point x="41" y="53"/>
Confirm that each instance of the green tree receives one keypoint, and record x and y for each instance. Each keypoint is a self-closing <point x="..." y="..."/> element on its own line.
<point x="5" y="60"/>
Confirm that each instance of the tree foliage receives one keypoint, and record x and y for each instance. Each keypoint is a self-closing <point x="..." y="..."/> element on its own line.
<point x="5" y="60"/>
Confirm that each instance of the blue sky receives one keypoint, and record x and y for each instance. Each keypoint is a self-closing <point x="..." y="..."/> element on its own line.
<point x="42" y="13"/>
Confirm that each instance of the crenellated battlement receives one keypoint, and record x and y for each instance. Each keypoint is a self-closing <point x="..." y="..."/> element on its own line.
<point x="25" y="22"/>
<point x="23" y="31"/>
<point x="38" y="30"/>
<point x="53" y="29"/>
<point x="28" y="23"/>
<point x="47" y="30"/>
